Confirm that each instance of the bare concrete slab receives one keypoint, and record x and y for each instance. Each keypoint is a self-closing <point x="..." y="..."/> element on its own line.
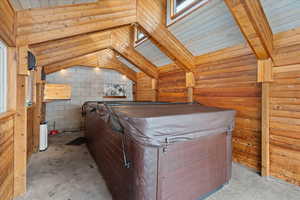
<point x="69" y="173"/>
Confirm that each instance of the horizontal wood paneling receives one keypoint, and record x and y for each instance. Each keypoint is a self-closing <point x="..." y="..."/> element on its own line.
<point x="287" y="47"/>
<point x="172" y="84"/>
<point x="63" y="49"/>
<point x="6" y="158"/>
<point x="40" y="25"/>
<point x="225" y="79"/>
<point x="27" y="4"/>
<point x="7" y="23"/>
<point x="285" y="123"/>
<point x="144" y="91"/>
<point x="231" y="83"/>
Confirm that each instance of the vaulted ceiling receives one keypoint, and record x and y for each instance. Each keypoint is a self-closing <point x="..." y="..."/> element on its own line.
<point x="211" y="27"/>
<point x="28" y="4"/>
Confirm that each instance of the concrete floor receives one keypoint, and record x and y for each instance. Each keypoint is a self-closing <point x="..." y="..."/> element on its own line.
<point x="69" y="173"/>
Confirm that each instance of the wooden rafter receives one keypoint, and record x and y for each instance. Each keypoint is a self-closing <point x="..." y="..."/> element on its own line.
<point x="45" y="24"/>
<point x="117" y="39"/>
<point x="122" y="42"/>
<point x="254" y="25"/>
<point x="68" y="48"/>
<point x="150" y="16"/>
<point x="105" y="59"/>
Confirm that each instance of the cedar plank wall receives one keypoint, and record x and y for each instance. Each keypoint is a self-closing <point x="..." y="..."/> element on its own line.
<point x="7" y="25"/>
<point x="7" y="34"/>
<point x="172" y="84"/>
<point x="230" y="82"/>
<point x="144" y="90"/>
<point x="6" y="158"/>
<point x="285" y="108"/>
<point x="227" y="78"/>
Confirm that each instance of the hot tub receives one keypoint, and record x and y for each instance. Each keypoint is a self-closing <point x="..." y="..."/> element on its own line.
<point x="160" y="151"/>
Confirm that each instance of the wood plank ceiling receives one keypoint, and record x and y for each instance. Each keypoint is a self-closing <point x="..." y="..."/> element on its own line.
<point x="282" y="15"/>
<point x="209" y="28"/>
<point x="28" y="4"/>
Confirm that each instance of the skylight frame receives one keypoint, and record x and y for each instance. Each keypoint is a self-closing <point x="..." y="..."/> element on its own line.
<point x="186" y="9"/>
<point x="137" y="39"/>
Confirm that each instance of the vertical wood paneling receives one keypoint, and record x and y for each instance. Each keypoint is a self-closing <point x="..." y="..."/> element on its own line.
<point x="6" y="158"/>
<point x="30" y="135"/>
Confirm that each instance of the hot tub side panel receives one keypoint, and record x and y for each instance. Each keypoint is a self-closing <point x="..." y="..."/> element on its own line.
<point x="106" y="148"/>
<point x="189" y="170"/>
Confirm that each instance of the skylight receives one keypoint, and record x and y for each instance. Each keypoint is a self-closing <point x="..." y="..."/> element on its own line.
<point x="177" y="9"/>
<point x="140" y="36"/>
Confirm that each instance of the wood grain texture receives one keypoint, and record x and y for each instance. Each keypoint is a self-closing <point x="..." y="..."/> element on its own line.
<point x="30" y="133"/>
<point x="172" y="84"/>
<point x="51" y="54"/>
<point x="40" y="25"/>
<point x="7" y="23"/>
<point x="57" y="91"/>
<point x="20" y="138"/>
<point x="150" y="15"/>
<point x="287" y="47"/>
<point x="73" y="47"/>
<point x="253" y="23"/>
<point x="105" y="59"/>
<point x="227" y="83"/>
<point x="6" y="158"/>
<point x="122" y="42"/>
<point x="144" y="91"/>
<point x="265" y="129"/>
<point x="25" y="4"/>
<point x="284" y="123"/>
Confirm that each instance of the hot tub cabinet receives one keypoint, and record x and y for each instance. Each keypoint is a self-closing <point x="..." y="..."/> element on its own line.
<point x="160" y="151"/>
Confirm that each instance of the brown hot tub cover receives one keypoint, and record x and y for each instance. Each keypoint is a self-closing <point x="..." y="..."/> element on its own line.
<point x="165" y="151"/>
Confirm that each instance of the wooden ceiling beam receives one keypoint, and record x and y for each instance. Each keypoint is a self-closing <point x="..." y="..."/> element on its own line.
<point x="122" y="42"/>
<point x="105" y="59"/>
<point x="68" y="48"/>
<point x="118" y="39"/>
<point x="151" y="17"/>
<point x="254" y="25"/>
<point x="46" y="24"/>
